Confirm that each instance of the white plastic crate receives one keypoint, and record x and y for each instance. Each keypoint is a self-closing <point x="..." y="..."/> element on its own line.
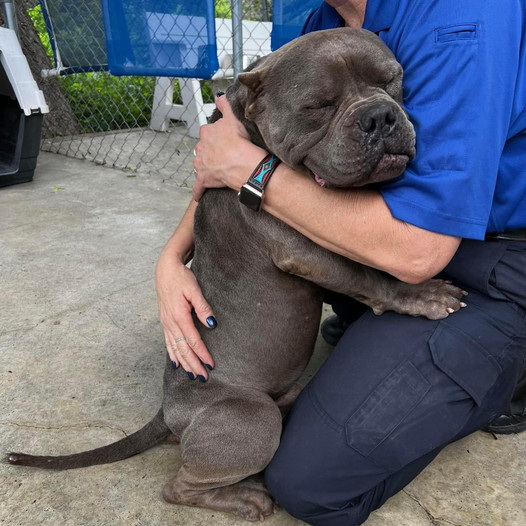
<point x="22" y="105"/>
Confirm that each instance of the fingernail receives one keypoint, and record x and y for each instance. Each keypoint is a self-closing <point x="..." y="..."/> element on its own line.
<point x="462" y="304"/>
<point x="202" y="378"/>
<point x="174" y="365"/>
<point x="190" y="375"/>
<point x="212" y="323"/>
<point x="209" y="367"/>
<point x="220" y="93"/>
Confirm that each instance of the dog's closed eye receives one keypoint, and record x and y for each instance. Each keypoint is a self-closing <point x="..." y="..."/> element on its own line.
<point x="320" y="106"/>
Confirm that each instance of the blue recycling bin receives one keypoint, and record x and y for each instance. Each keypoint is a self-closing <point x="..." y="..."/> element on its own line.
<point x="288" y="17"/>
<point x="170" y="38"/>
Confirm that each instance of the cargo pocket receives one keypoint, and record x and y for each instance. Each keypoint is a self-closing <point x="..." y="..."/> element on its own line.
<point x="385" y="408"/>
<point x="464" y="360"/>
<point x="413" y="413"/>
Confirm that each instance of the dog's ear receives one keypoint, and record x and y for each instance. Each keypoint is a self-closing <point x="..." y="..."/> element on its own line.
<point x="254" y="81"/>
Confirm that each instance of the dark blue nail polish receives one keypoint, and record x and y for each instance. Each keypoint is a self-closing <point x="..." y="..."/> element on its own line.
<point x="202" y="378"/>
<point x="220" y="93"/>
<point x="212" y="323"/>
<point x="209" y="367"/>
<point x="174" y="365"/>
<point x="190" y="375"/>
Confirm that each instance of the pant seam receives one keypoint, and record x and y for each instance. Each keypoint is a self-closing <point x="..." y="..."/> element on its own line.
<point x="322" y="413"/>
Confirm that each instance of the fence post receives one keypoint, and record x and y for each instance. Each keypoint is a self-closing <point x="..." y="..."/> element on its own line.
<point x="237" y="36"/>
<point x="264" y="6"/>
<point x="8" y="10"/>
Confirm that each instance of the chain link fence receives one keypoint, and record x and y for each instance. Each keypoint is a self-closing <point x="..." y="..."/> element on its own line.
<point x="141" y="124"/>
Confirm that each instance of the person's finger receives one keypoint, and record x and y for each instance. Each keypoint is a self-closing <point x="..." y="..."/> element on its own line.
<point x="170" y="328"/>
<point x="195" y="343"/>
<point x="181" y="353"/>
<point x="189" y="360"/>
<point x="185" y="327"/>
<point x="198" y="188"/>
<point x="202" y="309"/>
<point x="170" y="347"/>
<point x="223" y="106"/>
<point x="228" y="115"/>
<point x="197" y="191"/>
<point x="186" y="366"/>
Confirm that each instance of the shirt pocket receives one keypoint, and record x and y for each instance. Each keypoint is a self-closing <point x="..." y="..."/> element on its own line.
<point x="456" y="33"/>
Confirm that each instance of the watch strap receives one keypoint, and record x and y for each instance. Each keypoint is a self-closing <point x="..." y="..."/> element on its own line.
<point x="251" y="194"/>
<point x="263" y="172"/>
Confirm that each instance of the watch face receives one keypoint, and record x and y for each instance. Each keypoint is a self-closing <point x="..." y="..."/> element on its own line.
<point x="250" y="197"/>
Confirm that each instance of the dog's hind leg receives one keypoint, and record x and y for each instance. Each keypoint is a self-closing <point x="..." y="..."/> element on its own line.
<point x="231" y="440"/>
<point x="286" y="401"/>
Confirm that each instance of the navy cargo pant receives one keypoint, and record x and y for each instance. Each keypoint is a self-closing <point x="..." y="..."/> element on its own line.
<point x="397" y="389"/>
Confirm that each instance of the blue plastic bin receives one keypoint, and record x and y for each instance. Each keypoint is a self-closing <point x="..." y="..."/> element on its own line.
<point x="161" y="38"/>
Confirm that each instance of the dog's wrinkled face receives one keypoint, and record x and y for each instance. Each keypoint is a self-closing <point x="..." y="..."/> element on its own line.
<point x="329" y="103"/>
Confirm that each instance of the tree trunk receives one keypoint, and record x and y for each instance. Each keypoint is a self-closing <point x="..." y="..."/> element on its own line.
<point x="60" y="120"/>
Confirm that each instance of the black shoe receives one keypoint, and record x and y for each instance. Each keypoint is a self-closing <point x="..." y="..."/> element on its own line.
<point x="515" y="422"/>
<point x="332" y="329"/>
<point x="508" y="424"/>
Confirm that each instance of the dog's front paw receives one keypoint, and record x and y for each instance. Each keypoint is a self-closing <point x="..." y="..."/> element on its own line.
<point x="435" y="299"/>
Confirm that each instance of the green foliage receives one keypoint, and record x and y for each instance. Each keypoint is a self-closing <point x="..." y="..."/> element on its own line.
<point x="252" y="9"/>
<point x="37" y="18"/>
<point x="102" y="102"/>
<point x="223" y="9"/>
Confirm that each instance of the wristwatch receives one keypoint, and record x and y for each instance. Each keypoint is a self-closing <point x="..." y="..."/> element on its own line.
<point x="251" y="194"/>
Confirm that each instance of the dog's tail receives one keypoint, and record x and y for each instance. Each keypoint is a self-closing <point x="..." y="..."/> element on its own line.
<point x="150" y="435"/>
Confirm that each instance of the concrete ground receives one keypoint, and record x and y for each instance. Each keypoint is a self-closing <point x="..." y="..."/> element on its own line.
<point x="81" y="360"/>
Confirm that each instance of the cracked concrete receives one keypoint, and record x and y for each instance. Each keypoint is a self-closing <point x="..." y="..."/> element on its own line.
<point x="81" y="360"/>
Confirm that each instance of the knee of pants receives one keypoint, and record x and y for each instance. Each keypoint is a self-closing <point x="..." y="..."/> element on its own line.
<point x="281" y="483"/>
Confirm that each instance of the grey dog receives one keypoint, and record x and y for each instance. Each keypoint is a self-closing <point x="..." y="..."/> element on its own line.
<point x="329" y="105"/>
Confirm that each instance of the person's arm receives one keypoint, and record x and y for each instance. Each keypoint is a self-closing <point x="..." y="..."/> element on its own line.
<point x="177" y="294"/>
<point x="358" y="224"/>
<point x="354" y="223"/>
<point x="181" y="243"/>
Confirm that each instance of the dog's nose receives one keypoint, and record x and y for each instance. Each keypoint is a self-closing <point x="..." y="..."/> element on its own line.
<point x="378" y="119"/>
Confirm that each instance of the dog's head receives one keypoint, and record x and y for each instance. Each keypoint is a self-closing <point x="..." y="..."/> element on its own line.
<point x="329" y="104"/>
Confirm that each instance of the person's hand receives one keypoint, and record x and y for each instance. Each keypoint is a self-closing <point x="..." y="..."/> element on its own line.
<point x="224" y="155"/>
<point x="177" y="294"/>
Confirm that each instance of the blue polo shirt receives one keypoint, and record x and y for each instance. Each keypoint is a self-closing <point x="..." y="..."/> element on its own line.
<point x="465" y="92"/>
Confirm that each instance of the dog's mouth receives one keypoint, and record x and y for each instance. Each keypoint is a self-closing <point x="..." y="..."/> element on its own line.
<point x="320" y="181"/>
<point x="390" y="166"/>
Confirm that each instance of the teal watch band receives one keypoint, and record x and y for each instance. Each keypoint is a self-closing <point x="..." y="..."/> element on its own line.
<point x="251" y="194"/>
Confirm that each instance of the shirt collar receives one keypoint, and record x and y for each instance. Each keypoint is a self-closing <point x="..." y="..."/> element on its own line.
<point x="380" y="14"/>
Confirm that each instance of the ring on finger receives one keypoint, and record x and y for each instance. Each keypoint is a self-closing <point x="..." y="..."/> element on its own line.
<point x="180" y="339"/>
